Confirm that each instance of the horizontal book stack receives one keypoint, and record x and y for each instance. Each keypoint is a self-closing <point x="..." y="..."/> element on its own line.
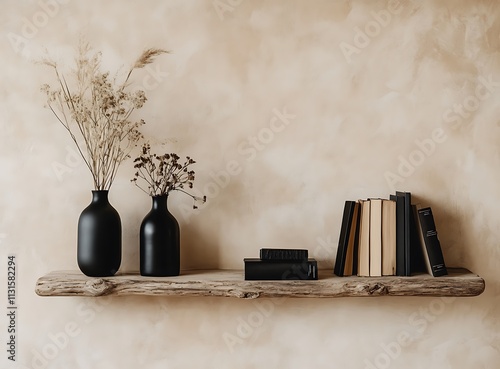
<point x="281" y="264"/>
<point x="384" y="237"/>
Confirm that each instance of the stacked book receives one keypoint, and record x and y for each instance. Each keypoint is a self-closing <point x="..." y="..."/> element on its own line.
<point x="380" y="237"/>
<point x="281" y="264"/>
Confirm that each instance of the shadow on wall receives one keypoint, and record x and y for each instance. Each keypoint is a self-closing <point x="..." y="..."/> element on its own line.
<point x="448" y="225"/>
<point x="200" y="246"/>
<point x="197" y="250"/>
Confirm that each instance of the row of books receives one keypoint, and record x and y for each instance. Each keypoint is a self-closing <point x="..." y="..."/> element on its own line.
<point x="281" y="264"/>
<point x="383" y="237"/>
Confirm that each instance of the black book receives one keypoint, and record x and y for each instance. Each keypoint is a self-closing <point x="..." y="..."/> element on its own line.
<point x="400" y="234"/>
<point x="431" y="246"/>
<point x="257" y="269"/>
<point x="344" y="236"/>
<point x="355" y="239"/>
<point x="417" y="260"/>
<point x="284" y="254"/>
<point x="407" y="219"/>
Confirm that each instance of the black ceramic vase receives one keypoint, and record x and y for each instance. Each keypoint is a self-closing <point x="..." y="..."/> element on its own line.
<point x="160" y="241"/>
<point x="99" y="250"/>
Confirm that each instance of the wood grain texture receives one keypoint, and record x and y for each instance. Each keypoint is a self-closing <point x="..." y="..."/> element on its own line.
<point x="230" y="283"/>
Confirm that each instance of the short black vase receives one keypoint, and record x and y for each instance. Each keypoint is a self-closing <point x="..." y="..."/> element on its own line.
<point x="160" y="241"/>
<point x="99" y="248"/>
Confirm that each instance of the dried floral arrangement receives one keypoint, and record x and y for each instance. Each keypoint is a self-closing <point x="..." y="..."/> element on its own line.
<point x="96" y="109"/>
<point x="164" y="173"/>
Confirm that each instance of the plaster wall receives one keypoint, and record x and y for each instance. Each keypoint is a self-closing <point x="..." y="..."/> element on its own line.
<point x="290" y="108"/>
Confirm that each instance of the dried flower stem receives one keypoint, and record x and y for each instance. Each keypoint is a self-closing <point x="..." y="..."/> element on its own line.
<point x="98" y="111"/>
<point x="164" y="173"/>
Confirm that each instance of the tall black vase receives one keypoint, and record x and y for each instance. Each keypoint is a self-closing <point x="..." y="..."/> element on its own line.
<point x="99" y="251"/>
<point x="160" y="241"/>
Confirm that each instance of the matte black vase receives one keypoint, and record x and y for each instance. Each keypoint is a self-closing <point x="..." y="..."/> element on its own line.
<point x="160" y="241"/>
<point x="99" y="249"/>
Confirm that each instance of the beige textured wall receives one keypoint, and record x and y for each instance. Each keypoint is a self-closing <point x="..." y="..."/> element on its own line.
<point x="378" y="96"/>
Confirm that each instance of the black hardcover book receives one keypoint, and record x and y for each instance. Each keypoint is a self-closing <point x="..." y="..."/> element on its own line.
<point x="400" y="234"/>
<point x="355" y="224"/>
<point x="407" y="230"/>
<point x="433" y="254"/>
<point x="345" y="231"/>
<point x="284" y="254"/>
<point x="257" y="269"/>
<point x="417" y="260"/>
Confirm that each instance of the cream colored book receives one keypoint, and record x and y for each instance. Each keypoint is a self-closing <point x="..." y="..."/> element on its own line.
<point x="364" y="239"/>
<point x="388" y="237"/>
<point x="376" y="237"/>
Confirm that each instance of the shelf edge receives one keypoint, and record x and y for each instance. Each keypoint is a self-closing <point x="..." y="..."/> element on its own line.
<point x="230" y="283"/>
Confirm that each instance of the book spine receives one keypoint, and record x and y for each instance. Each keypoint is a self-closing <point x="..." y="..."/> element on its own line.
<point x="431" y="241"/>
<point x="364" y="240"/>
<point x="400" y="235"/>
<point x="284" y="254"/>
<point x="345" y="229"/>
<point x="418" y="264"/>
<point x="269" y="270"/>
<point x="407" y="231"/>
<point x="376" y="237"/>
<point x="351" y="259"/>
<point x="356" y="239"/>
<point x="388" y="237"/>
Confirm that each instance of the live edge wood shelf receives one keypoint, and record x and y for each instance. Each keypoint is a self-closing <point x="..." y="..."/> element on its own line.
<point x="230" y="283"/>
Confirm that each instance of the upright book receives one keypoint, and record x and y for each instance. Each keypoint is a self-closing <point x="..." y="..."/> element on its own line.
<point x="351" y="264"/>
<point x="257" y="269"/>
<point x="431" y="246"/>
<point x="388" y="237"/>
<point x="406" y="219"/>
<point x="364" y="239"/>
<point x="347" y="246"/>
<point x="417" y="263"/>
<point x="375" y="237"/>
<point x="400" y="234"/>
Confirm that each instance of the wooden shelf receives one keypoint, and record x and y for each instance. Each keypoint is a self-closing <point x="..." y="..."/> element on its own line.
<point x="230" y="283"/>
